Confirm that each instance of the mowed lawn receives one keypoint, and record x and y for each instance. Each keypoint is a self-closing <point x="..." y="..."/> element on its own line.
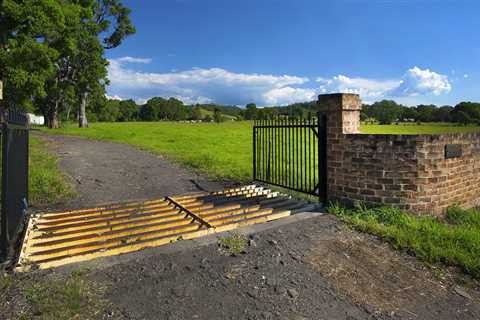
<point x="220" y="150"/>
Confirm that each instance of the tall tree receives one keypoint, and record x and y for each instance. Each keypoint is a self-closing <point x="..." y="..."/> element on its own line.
<point x="26" y="59"/>
<point x="110" y="22"/>
<point x="250" y="111"/>
<point x="67" y="43"/>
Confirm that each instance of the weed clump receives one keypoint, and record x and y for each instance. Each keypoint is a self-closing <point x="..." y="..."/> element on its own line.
<point x="233" y="245"/>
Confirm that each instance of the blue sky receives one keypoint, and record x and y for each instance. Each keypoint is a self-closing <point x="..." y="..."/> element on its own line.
<point x="275" y="52"/>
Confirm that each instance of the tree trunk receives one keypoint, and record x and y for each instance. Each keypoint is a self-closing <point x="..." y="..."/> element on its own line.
<point x="69" y="108"/>
<point x="52" y="117"/>
<point x="82" y="114"/>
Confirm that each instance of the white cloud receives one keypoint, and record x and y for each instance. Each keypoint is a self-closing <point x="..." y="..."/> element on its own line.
<point x="114" y="97"/>
<point x="205" y="85"/>
<point x="134" y="60"/>
<point x="414" y="82"/>
<point x="200" y="85"/>
<point x="366" y="88"/>
<point x="466" y="76"/>
<point x="419" y="82"/>
<point x="288" y="95"/>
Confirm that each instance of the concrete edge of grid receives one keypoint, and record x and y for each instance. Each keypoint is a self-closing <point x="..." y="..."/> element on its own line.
<point x="184" y="245"/>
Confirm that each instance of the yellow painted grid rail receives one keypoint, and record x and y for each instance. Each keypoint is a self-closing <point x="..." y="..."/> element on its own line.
<point x="58" y="238"/>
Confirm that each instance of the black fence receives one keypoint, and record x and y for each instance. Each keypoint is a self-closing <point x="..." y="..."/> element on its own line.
<point x="290" y="152"/>
<point x="14" y="195"/>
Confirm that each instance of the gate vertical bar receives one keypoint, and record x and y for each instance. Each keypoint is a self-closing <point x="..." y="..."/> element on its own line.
<point x="296" y="160"/>
<point x="254" y="150"/>
<point x="309" y="130"/>
<point x="282" y="143"/>
<point x="314" y="144"/>
<point x="304" y="186"/>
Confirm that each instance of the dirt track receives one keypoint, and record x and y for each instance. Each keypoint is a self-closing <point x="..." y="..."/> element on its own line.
<point x="103" y="172"/>
<point x="312" y="269"/>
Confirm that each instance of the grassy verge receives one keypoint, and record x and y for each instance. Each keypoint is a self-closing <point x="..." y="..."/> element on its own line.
<point x="47" y="184"/>
<point x="222" y="150"/>
<point x="454" y="242"/>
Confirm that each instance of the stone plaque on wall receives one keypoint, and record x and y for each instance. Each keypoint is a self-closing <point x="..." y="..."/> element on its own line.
<point x="453" y="151"/>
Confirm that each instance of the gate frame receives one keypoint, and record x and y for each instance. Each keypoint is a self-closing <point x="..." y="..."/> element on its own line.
<point x="13" y="120"/>
<point x="319" y="129"/>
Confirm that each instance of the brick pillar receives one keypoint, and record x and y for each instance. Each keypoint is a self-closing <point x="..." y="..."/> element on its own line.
<point x="343" y="117"/>
<point x="343" y="111"/>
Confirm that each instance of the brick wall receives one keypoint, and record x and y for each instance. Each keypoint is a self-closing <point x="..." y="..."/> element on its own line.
<point x="408" y="171"/>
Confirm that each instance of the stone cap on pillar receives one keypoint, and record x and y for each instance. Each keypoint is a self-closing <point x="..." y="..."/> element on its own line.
<point x="339" y="101"/>
<point x="342" y="110"/>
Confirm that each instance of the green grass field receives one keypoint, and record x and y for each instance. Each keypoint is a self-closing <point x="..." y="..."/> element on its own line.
<point x="413" y="128"/>
<point x="220" y="150"/>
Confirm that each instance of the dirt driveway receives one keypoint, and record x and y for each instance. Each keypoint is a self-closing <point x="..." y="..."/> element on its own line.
<point x="315" y="268"/>
<point x="103" y="172"/>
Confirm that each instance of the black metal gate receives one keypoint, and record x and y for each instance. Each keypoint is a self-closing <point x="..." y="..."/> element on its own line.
<point x="14" y="196"/>
<point x="291" y="153"/>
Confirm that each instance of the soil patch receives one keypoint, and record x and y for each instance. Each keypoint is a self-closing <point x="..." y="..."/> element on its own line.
<point x="371" y="273"/>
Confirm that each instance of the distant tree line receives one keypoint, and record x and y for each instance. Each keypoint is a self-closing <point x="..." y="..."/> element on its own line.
<point x="160" y="109"/>
<point x="172" y="109"/>
<point x="387" y="112"/>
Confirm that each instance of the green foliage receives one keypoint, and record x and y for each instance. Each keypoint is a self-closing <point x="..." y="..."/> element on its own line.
<point x="466" y="113"/>
<point x="250" y="111"/>
<point x="26" y="59"/>
<point x="217" y="116"/>
<point x="456" y="215"/>
<point x="386" y="112"/>
<point x="195" y="113"/>
<point x="128" y="111"/>
<point x="161" y="109"/>
<point x="51" y="55"/>
<point x="427" y="237"/>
